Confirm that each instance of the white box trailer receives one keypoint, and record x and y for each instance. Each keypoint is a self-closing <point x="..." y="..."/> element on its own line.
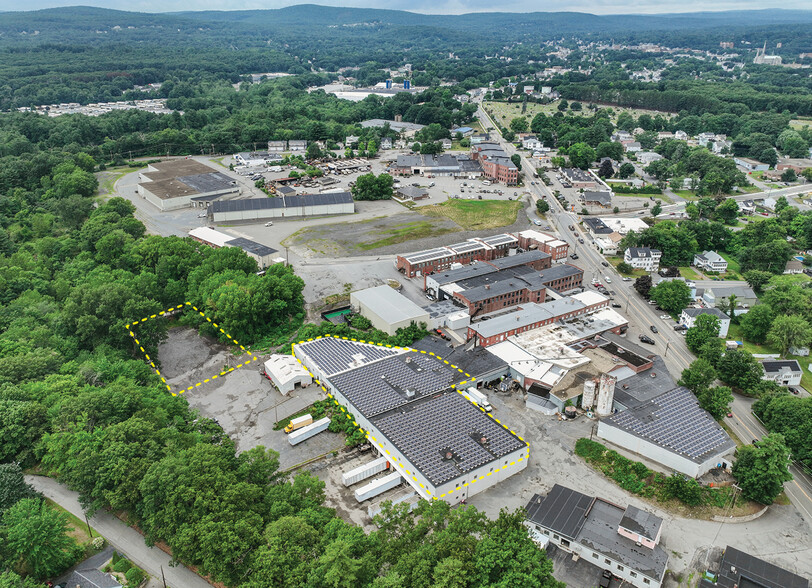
<point x="378" y="486"/>
<point x="409" y="496"/>
<point x="309" y="431"/>
<point x="479" y="398"/>
<point x="365" y="471"/>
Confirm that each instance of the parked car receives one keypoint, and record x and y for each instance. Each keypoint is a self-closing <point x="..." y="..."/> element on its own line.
<point x="680" y="328"/>
<point x="269" y="224"/>
<point x="665" y="317"/>
<point x="793" y="390"/>
<point x="616" y="306"/>
<point x="605" y="264"/>
<point x="574" y="256"/>
<point x="653" y="329"/>
<point x="537" y="222"/>
<point x="627" y="279"/>
<point x="646" y="339"/>
<point x="580" y="240"/>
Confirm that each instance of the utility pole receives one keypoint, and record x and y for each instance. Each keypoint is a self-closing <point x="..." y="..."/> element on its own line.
<point x="89" y="531"/>
<point x="162" y="576"/>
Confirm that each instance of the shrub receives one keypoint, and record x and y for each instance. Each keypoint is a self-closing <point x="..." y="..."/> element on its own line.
<point x="134" y="577"/>
<point x="123" y="566"/>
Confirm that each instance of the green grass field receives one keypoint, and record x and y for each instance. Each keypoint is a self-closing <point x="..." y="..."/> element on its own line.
<point x="615" y="261"/>
<point x="474" y="215"/>
<point x="689" y="273"/>
<point x="404" y="232"/>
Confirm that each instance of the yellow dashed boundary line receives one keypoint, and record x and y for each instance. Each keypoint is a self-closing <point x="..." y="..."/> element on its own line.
<point x="392" y="457"/>
<point x="201" y="313"/>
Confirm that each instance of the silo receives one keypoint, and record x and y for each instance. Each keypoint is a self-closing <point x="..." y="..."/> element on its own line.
<point x="588" y="398"/>
<point x="606" y="394"/>
<point x="407" y="84"/>
<point x="388" y="84"/>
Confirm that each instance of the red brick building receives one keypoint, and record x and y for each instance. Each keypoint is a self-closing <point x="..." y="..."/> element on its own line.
<point x="553" y="246"/>
<point x="440" y="259"/>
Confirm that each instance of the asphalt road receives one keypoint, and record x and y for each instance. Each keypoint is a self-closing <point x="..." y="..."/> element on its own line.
<point x="124" y="539"/>
<point x="748" y="428"/>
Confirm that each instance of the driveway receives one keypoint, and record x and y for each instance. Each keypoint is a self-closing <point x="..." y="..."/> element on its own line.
<point x="122" y="538"/>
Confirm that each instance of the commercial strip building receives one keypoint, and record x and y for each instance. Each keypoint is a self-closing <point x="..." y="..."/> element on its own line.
<point x="386" y="309"/>
<point x="253" y="209"/>
<point x="443" y="446"/>
<point x="671" y="429"/>
<point x="441" y="165"/>
<point x="182" y="183"/>
<point x="429" y="261"/>
<point x="578" y="178"/>
<point x="624" y="541"/>
<point x="262" y="254"/>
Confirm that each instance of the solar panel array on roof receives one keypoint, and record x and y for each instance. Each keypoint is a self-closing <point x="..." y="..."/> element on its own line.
<point x="430" y="430"/>
<point x="338" y="355"/>
<point x="675" y="421"/>
<point x="393" y="382"/>
<point x="562" y="510"/>
<point x="497" y="240"/>
<point x="466" y="247"/>
<point x="251" y="246"/>
<point x="427" y="255"/>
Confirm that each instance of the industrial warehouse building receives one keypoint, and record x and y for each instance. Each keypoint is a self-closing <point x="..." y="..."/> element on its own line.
<point x="388" y="310"/>
<point x="262" y="254"/>
<point x="429" y="261"/>
<point x="260" y="209"/>
<point x="442" y="445"/>
<point x="182" y="183"/>
<point x="286" y="373"/>
<point x="671" y="429"/>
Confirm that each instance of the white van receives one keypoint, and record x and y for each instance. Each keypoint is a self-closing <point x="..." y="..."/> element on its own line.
<point x="486" y="183"/>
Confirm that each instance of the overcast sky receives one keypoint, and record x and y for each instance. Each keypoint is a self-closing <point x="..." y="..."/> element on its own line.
<point x="428" y="6"/>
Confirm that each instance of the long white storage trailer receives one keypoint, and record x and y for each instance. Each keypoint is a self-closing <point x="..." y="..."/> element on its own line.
<point x="365" y="471"/>
<point x="309" y="431"/>
<point x="378" y="486"/>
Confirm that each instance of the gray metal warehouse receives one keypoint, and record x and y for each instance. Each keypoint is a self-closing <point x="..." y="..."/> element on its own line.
<point x="388" y="310"/>
<point x="283" y="207"/>
<point x="443" y="445"/>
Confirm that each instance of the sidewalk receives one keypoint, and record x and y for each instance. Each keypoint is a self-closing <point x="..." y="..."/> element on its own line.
<point x="122" y="538"/>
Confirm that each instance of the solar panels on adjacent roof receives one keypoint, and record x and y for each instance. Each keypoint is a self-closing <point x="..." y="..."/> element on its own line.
<point x="675" y="421"/>
<point x="338" y="355"/>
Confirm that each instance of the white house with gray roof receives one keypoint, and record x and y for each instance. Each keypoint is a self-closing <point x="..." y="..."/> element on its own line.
<point x="608" y="536"/>
<point x="689" y="316"/>
<point x="643" y="258"/>
<point x="710" y="261"/>
<point x="783" y="373"/>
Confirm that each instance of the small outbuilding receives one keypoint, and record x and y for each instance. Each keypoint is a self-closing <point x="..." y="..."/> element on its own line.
<point x="388" y="310"/>
<point x="286" y="373"/>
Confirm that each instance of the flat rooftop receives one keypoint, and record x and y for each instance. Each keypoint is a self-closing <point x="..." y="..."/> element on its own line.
<point x="387" y="303"/>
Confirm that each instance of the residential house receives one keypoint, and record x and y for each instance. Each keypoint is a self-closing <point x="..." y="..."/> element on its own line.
<point x="277" y="146"/>
<point x="480" y="138"/>
<point x="783" y="373"/>
<point x="710" y="261"/>
<point x="410" y="193"/>
<point x="663" y="135"/>
<point x="681" y="136"/>
<point x="91" y="578"/>
<point x="631" y="146"/>
<point x="689" y="316"/>
<point x="446" y="143"/>
<point x="464" y="131"/>
<point x="351" y="141"/>
<point x="643" y="258"/>
<point x="747" y="206"/>
<point x="620" y="136"/>
<point x="386" y="143"/>
<point x="719" y="296"/>
<point x="794" y="266"/>
<point x="532" y="143"/>
<point x="751" y="164"/>
<point x="718" y="146"/>
<point x="610" y="537"/>
<point x="646" y="157"/>
<point x="296" y="145"/>
<point x="769" y="203"/>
